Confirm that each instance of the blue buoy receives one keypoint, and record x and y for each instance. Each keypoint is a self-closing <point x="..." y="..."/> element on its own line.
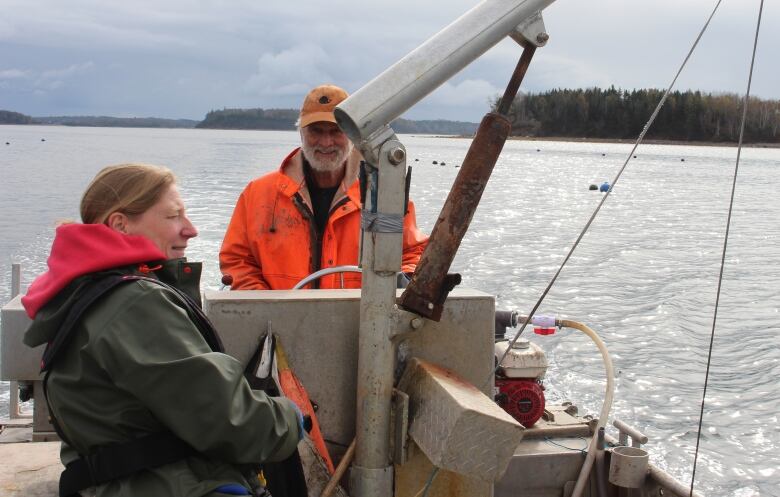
<point x="604" y="187"/>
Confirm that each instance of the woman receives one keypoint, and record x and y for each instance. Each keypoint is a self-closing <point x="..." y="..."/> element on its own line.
<point x="143" y="398"/>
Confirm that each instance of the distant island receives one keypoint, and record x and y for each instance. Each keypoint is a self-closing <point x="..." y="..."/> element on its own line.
<point x="110" y="122"/>
<point x="284" y="119"/>
<point x="592" y="113"/>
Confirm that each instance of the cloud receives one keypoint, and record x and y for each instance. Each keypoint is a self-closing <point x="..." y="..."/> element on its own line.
<point x="7" y="31"/>
<point x="183" y="57"/>
<point x="13" y="74"/>
<point x="51" y="79"/>
<point x="468" y="93"/>
<point x="290" y="72"/>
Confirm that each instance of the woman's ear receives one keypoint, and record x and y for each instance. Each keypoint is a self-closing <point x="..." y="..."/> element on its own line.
<point x="117" y="221"/>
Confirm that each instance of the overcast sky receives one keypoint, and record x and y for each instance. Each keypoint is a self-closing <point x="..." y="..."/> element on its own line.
<point x="182" y="58"/>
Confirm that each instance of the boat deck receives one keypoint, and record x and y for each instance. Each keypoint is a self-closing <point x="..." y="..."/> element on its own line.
<point x="28" y="469"/>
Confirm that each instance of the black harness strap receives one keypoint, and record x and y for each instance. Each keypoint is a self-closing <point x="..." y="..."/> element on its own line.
<point x="97" y="290"/>
<point x="120" y="460"/>
<point x="103" y="286"/>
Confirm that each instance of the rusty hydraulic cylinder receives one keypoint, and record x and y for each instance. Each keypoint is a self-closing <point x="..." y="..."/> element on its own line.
<point x="430" y="283"/>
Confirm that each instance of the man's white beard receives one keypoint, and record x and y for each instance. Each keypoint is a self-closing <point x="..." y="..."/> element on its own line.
<point x="325" y="164"/>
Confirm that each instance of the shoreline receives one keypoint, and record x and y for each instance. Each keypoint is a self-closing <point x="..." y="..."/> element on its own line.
<point x="625" y="141"/>
<point x="569" y="139"/>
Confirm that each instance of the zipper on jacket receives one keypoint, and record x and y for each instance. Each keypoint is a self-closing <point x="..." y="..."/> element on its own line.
<point x="315" y="245"/>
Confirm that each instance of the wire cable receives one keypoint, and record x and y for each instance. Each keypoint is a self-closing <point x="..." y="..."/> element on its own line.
<point x="585" y="229"/>
<point x="725" y="246"/>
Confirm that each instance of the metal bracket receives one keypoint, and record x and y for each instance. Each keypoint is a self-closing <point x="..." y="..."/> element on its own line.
<point x="371" y="146"/>
<point x="531" y="31"/>
<point x="404" y="323"/>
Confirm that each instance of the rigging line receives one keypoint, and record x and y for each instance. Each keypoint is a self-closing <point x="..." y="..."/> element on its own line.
<point x="725" y="244"/>
<point x="585" y="229"/>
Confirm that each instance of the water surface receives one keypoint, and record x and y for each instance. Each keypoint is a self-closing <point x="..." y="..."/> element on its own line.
<point x="644" y="277"/>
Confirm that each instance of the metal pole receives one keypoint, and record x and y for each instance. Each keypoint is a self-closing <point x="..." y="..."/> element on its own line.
<point x="13" y="394"/>
<point x="409" y="80"/>
<point x="16" y="279"/>
<point x="382" y="220"/>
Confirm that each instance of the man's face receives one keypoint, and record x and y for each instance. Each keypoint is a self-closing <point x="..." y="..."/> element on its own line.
<point x="325" y="146"/>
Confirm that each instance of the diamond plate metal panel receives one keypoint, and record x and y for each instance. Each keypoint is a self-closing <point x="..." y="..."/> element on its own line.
<point x="457" y="426"/>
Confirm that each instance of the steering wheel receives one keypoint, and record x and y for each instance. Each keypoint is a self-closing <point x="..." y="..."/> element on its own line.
<point x="324" y="272"/>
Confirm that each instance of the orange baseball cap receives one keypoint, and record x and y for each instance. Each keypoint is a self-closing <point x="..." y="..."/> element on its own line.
<point x="319" y="104"/>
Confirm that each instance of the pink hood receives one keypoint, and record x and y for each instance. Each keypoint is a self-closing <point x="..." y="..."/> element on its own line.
<point x="80" y="249"/>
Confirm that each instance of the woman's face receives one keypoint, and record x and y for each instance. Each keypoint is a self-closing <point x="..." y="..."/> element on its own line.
<point x="166" y="224"/>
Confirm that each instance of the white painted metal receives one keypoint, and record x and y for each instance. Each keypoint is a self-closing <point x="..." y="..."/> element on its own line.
<point x="13" y="394"/>
<point x="372" y="472"/>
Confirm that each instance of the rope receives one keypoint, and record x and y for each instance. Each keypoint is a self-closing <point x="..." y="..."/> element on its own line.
<point x="583" y="450"/>
<point x="725" y="245"/>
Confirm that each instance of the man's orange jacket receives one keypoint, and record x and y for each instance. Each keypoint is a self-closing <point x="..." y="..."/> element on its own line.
<point x="271" y="242"/>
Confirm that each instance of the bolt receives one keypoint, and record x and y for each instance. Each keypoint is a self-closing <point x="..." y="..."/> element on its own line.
<point x="430" y="305"/>
<point x="416" y="323"/>
<point x="396" y="155"/>
<point x="542" y="38"/>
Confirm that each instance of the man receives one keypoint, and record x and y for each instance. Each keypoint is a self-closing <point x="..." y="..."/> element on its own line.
<point x="306" y="216"/>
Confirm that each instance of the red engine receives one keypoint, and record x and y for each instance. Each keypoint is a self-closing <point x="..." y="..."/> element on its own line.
<point x="522" y="398"/>
<point x="519" y="389"/>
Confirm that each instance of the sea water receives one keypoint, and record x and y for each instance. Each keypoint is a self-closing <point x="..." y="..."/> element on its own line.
<point x="645" y="276"/>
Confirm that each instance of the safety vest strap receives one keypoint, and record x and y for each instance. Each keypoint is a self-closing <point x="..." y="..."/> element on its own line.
<point x="101" y="287"/>
<point x="121" y="460"/>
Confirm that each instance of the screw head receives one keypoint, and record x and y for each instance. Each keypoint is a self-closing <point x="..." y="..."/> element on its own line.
<point x="542" y="38"/>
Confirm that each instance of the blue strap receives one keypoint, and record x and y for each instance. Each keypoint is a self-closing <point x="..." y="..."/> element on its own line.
<point x="232" y="489"/>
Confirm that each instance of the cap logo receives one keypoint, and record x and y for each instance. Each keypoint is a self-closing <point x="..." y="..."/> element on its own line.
<point x="324" y="100"/>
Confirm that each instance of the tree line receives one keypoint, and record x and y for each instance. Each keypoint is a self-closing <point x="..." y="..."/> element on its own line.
<point x="621" y="114"/>
<point x="9" y="117"/>
<point x="285" y="119"/>
<point x="250" y="119"/>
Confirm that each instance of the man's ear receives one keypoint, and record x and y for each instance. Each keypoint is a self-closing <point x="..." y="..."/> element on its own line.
<point x="117" y="221"/>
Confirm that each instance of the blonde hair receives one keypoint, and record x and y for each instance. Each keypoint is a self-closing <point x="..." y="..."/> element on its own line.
<point x="127" y="188"/>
